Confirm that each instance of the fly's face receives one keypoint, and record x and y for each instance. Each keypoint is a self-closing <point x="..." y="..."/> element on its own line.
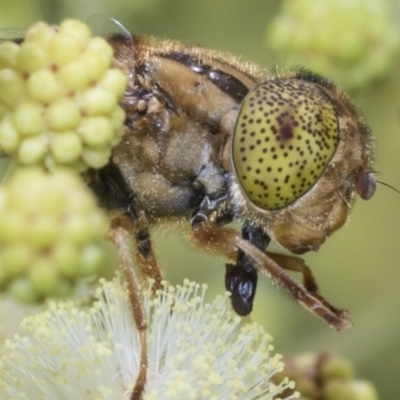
<point x="300" y="151"/>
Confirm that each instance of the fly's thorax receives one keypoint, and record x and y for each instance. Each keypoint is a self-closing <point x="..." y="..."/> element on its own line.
<point x="170" y="172"/>
<point x="298" y="150"/>
<point x="205" y="84"/>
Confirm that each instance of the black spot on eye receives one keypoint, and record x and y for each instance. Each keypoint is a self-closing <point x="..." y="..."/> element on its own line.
<point x="286" y="132"/>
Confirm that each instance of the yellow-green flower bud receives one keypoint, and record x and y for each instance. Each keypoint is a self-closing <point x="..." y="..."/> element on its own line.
<point x="12" y="87"/>
<point x="74" y="76"/>
<point x="350" y="390"/>
<point x="96" y="157"/>
<point x="76" y="29"/>
<point x="33" y="150"/>
<point x="63" y="114"/>
<point x="28" y="118"/>
<point x="43" y="276"/>
<point x="40" y="33"/>
<point x="9" y="137"/>
<point x="64" y="48"/>
<point x="95" y="131"/>
<point x="66" y="147"/>
<point x="15" y="258"/>
<point x="337" y="368"/>
<point x="114" y="82"/>
<point x="23" y="290"/>
<point x="97" y="57"/>
<point x="43" y="86"/>
<point x="31" y="57"/>
<point x="98" y="101"/>
<point x="8" y="54"/>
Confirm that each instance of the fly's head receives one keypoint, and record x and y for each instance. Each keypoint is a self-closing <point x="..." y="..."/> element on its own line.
<point x="300" y="153"/>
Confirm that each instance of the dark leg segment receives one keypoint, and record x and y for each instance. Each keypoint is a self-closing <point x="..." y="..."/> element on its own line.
<point x="146" y="259"/>
<point x="241" y="279"/>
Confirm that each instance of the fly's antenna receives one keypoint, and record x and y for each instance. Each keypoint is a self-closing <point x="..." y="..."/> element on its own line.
<point x="389" y="186"/>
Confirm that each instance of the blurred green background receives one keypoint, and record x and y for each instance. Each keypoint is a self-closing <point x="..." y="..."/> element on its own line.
<point x="359" y="267"/>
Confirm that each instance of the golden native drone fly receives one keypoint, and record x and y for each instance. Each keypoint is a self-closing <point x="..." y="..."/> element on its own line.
<point x="211" y="139"/>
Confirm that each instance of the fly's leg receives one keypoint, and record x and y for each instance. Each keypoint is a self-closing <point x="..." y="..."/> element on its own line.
<point x="226" y="242"/>
<point x="120" y="232"/>
<point x="241" y="279"/>
<point x="296" y="264"/>
<point x="144" y="252"/>
<point x="122" y="229"/>
<point x="114" y="194"/>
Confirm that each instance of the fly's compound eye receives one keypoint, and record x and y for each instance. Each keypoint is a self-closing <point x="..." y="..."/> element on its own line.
<point x="286" y="133"/>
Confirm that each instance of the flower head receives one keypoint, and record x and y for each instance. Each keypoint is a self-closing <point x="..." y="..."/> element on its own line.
<point x="59" y="97"/>
<point x="195" y="350"/>
<point x="51" y="233"/>
<point x="350" y="41"/>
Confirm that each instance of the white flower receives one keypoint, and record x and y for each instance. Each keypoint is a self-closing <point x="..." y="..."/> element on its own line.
<point x="196" y="351"/>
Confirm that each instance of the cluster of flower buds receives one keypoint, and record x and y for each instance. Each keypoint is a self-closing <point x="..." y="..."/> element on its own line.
<point x="327" y="377"/>
<point x="59" y="97"/>
<point x="50" y="234"/>
<point x="59" y="115"/>
<point x="351" y="41"/>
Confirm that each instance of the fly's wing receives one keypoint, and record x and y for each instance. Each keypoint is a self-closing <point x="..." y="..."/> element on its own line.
<point x="119" y="37"/>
